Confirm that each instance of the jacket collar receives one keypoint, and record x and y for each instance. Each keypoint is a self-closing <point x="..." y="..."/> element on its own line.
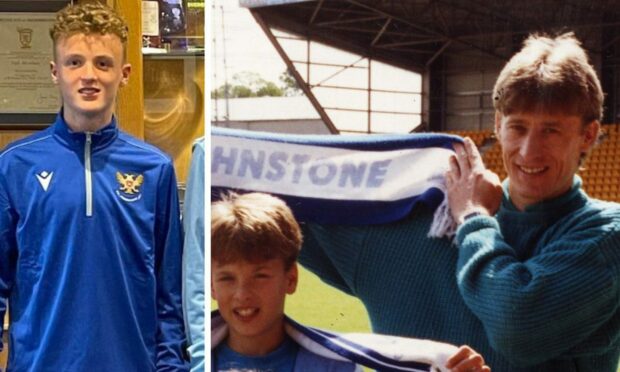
<point x="99" y="139"/>
<point x="546" y="212"/>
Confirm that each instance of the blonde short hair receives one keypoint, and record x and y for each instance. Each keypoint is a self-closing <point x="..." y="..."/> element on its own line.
<point x="92" y="18"/>
<point x="253" y="227"/>
<point x="550" y="74"/>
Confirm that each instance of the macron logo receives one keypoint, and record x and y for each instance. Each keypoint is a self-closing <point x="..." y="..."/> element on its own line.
<point x="44" y="179"/>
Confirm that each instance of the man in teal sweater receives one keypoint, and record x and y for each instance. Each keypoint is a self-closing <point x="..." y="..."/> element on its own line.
<point x="533" y="281"/>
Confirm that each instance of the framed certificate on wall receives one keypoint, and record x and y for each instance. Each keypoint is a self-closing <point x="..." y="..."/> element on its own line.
<point x="27" y="95"/>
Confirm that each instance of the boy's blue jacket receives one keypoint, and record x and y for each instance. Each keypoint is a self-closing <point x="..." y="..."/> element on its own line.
<point x="90" y="253"/>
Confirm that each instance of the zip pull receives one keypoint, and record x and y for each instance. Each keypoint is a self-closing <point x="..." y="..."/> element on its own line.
<point x="87" y="175"/>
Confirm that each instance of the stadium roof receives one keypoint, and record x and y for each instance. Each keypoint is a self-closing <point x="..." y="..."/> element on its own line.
<point x="414" y="33"/>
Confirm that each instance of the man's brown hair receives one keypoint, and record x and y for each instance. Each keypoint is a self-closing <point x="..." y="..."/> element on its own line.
<point x="253" y="227"/>
<point x="550" y="74"/>
<point x="88" y="19"/>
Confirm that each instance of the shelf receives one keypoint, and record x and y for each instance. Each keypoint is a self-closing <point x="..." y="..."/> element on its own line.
<point x="174" y="54"/>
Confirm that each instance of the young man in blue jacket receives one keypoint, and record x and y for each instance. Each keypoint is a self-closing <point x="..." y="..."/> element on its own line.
<point x="533" y="282"/>
<point x="90" y="235"/>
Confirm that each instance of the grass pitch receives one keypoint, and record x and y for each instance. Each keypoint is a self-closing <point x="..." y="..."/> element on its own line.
<point x="319" y="305"/>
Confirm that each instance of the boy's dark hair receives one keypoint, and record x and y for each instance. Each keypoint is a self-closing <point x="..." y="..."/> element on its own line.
<point x="550" y="74"/>
<point x="253" y="227"/>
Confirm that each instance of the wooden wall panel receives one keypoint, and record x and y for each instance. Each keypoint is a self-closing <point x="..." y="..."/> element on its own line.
<point x="130" y="102"/>
<point x="174" y="108"/>
<point x="8" y="136"/>
<point x="4" y="354"/>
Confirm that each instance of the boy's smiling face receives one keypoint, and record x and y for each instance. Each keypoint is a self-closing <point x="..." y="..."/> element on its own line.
<point x="250" y="298"/>
<point x="89" y="70"/>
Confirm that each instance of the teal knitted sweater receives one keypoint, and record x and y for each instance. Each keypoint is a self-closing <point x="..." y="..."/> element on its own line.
<point x="531" y="291"/>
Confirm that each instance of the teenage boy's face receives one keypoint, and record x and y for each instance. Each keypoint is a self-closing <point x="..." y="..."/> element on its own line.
<point x="88" y="70"/>
<point x="541" y="152"/>
<point x="250" y="297"/>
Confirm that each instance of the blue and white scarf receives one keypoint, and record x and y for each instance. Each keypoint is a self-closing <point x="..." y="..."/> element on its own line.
<point x="380" y="352"/>
<point x="338" y="179"/>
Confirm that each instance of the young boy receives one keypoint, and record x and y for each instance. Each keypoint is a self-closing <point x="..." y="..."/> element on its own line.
<point x="255" y="242"/>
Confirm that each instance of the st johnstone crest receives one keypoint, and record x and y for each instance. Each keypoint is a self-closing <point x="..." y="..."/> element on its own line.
<point x="129" y="186"/>
<point x="25" y="37"/>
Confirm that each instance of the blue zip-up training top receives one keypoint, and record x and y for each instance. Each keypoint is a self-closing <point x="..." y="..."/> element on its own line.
<point x="90" y="253"/>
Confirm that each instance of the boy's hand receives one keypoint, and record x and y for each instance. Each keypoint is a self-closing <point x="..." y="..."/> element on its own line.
<point x="467" y="360"/>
